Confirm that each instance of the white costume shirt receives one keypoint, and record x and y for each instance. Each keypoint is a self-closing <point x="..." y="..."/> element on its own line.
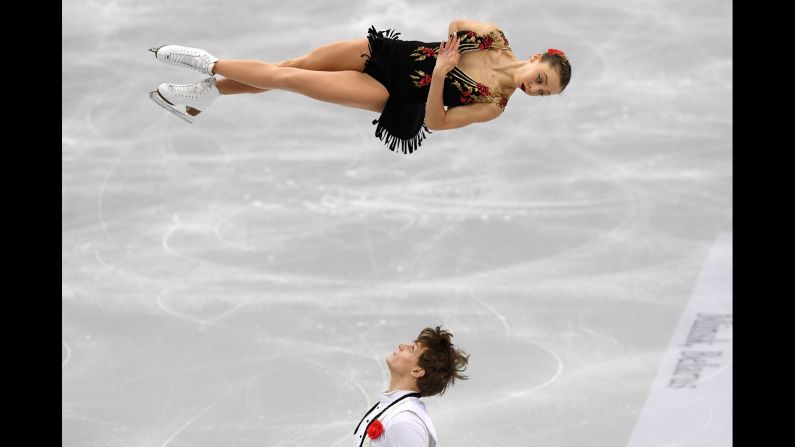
<point x="406" y="424"/>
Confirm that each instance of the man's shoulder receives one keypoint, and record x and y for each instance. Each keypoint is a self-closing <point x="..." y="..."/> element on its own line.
<point x="413" y="416"/>
<point x="407" y="415"/>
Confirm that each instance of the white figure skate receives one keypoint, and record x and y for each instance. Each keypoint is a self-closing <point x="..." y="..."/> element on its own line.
<point x="186" y="100"/>
<point x="194" y="58"/>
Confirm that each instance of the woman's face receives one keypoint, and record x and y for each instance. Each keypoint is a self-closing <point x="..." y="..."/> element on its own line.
<point x="539" y="78"/>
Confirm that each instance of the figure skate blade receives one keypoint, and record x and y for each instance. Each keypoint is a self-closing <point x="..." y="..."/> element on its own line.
<point x="159" y="100"/>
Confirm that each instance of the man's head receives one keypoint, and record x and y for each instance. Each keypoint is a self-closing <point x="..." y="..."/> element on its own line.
<point x="431" y="362"/>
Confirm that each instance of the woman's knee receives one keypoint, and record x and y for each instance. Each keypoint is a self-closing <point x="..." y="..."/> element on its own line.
<point x="298" y="62"/>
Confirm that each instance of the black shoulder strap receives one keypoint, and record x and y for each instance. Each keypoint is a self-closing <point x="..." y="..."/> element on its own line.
<point x="365" y="415"/>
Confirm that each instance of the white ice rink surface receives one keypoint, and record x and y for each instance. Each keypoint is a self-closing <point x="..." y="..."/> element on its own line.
<point x="239" y="281"/>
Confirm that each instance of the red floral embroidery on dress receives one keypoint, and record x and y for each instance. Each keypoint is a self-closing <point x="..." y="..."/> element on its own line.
<point x="478" y="93"/>
<point x="492" y="40"/>
<point x="466" y="97"/>
<point x="422" y="53"/>
<point x="486" y="42"/>
<point x="421" y="79"/>
<point x="482" y="89"/>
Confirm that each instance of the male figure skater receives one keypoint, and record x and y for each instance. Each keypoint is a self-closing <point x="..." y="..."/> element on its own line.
<point x="424" y="367"/>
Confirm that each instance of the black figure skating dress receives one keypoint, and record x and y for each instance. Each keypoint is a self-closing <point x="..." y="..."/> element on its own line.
<point x="405" y="67"/>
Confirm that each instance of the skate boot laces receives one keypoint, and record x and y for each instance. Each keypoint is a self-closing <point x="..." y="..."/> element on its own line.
<point x="188" y="57"/>
<point x="193" y="91"/>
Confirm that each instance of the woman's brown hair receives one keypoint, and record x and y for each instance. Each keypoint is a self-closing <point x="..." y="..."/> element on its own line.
<point x="560" y="63"/>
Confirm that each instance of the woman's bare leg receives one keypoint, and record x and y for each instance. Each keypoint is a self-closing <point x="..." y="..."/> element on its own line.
<point x="349" y="88"/>
<point x="231" y="87"/>
<point x="337" y="56"/>
<point x="254" y="73"/>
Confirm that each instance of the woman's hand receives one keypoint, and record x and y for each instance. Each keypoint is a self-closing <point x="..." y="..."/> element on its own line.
<point x="448" y="56"/>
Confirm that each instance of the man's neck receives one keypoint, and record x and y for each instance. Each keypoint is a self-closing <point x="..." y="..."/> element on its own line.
<point x="405" y="385"/>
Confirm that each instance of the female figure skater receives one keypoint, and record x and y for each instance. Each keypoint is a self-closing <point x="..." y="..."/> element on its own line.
<point x="415" y="86"/>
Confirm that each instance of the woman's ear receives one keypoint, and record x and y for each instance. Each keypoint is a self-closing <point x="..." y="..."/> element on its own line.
<point x="417" y="372"/>
<point x="535" y="57"/>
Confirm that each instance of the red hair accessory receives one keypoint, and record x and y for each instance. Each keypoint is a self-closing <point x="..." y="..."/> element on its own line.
<point x="554" y="51"/>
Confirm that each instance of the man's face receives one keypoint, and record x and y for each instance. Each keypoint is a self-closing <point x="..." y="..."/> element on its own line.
<point x="405" y="359"/>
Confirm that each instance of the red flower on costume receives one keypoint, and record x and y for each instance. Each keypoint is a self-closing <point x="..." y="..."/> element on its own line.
<point x="483" y="90"/>
<point x="421" y="79"/>
<point x="375" y="429"/>
<point x="503" y="102"/>
<point x="485" y="44"/>
<point x="471" y="33"/>
<point x="465" y="98"/>
<point x="422" y="53"/>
